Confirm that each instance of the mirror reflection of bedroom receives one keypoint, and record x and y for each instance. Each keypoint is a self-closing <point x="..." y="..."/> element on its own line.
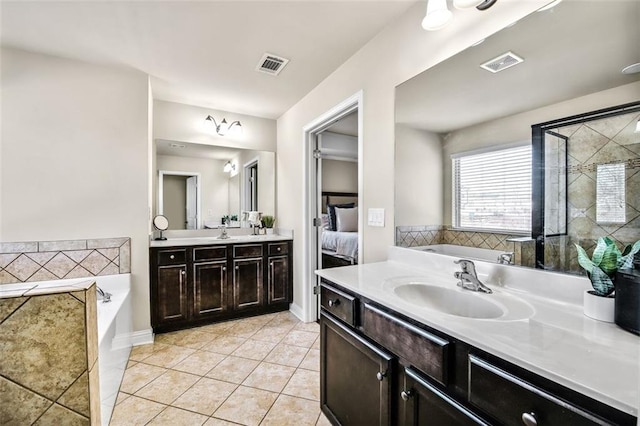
<point x="338" y="173"/>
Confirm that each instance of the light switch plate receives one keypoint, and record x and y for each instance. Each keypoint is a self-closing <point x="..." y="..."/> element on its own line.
<point x="375" y="217"/>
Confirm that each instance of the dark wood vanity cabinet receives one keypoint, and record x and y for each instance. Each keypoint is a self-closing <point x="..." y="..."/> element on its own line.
<point x="192" y="286"/>
<point x="429" y="378"/>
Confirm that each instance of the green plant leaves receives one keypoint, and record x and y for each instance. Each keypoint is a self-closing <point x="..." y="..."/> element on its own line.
<point x="626" y="261"/>
<point x="606" y="260"/>
<point x="601" y="282"/>
<point x="583" y="259"/>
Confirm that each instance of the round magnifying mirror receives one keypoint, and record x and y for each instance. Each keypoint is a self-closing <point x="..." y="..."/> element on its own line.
<point x="161" y="223"/>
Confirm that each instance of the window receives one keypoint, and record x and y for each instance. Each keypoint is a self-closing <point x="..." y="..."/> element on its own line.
<point x="492" y="190"/>
<point x="610" y="193"/>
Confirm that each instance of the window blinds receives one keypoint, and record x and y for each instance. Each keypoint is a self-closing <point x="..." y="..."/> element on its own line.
<point x="492" y="190"/>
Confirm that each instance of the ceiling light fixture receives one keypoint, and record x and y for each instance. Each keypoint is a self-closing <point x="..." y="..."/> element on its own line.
<point x="631" y="69"/>
<point x="224" y="128"/>
<point x="229" y="167"/>
<point x="438" y="15"/>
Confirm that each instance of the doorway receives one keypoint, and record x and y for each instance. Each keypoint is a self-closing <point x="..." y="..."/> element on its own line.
<point x="312" y="221"/>
<point x="179" y="199"/>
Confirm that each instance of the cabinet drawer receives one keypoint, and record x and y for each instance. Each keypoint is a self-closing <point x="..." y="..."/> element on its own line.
<point x="339" y="304"/>
<point x="209" y="253"/>
<point x="425" y="351"/>
<point x="279" y="248"/>
<point x="172" y="257"/>
<point x="511" y="400"/>
<point x="253" y="250"/>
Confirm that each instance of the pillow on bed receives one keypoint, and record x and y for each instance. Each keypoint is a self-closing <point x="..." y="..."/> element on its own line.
<point x="331" y="209"/>
<point x="347" y="220"/>
<point x="325" y="222"/>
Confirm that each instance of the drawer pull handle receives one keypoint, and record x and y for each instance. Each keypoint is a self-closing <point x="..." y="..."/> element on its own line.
<point x="279" y="248"/>
<point x="224" y="268"/>
<point x="333" y="303"/>
<point x="529" y="419"/>
<point x="237" y="268"/>
<point x="183" y="272"/>
<point x="406" y="394"/>
<point x="172" y="257"/>
<point x="380" y="376"/>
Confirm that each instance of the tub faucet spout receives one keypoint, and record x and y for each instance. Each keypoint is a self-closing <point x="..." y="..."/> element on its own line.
<point x="103" y="295"/>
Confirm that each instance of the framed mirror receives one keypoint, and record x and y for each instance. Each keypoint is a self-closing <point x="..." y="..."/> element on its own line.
<point x="557" y="63"/>
<point x="202" y="186"/>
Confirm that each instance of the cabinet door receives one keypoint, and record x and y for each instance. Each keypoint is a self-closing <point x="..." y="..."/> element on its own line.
<point x="278" y="279"/>
<point x="171" y="302"/>
<point x="422" y="403"/>
<point x="355" y="377"/>
<point x="209" y="288"/>
<point x="247" y="283"/>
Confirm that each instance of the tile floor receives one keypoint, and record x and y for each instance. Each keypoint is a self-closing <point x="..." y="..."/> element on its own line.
<point x="255" y="371"/>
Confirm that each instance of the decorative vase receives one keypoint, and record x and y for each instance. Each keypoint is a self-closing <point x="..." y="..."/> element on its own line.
<point x="601" y="308"/>
<point x="269" y="231"/>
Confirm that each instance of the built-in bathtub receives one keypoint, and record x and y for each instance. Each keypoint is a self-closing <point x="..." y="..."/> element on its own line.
<point x="464" y="252"/>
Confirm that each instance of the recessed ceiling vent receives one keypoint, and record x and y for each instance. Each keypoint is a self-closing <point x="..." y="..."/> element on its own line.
<point x="502" y="62"/>
<point x="271" y="64"/>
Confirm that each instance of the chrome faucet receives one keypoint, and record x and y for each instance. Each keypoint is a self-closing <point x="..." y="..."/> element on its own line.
<point x="506" y="258"/>
<point x="223" y="232"/>
<point x="103" y="295"/>
<point x="468" y="277"/>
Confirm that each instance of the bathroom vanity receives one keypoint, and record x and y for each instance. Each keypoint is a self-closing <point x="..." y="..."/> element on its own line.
<point x="402" y="344"/>
<point x="195" y="281"/>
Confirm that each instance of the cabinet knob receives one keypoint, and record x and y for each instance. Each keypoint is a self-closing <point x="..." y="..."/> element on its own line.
<point x="406" y="394"/>
<point x="237" y="268"/>
<point x="224" y="268"/>
<point x="183" y="272"/>
<point x="529" y="419"/>
<point x="279" y="248"/>
<point x="173" y="256"/>
<point x="333" y="303"/>
<point x="271" y="264"/>
<point x="380" y="376"/>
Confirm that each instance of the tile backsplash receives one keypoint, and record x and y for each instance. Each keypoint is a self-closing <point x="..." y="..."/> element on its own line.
<point x="52" y="260"/>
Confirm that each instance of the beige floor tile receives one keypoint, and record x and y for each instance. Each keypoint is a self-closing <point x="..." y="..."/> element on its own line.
<point x="169" y="356"/>
<point x="172" y="416"/>
<point x="316" y="344"/>
<point x="288" y="355"/>
<point x="323" y="420"/>
<point x="168" y="387"/>
<point x="284" y="319"/>
<point x="187" y="338"/>
<point x="140" y="353"/>
<point x="233" y="369"/>
<point x="254" y="349"/>
<point x="244" y="329"/>
<point x="311" y="361"/>
<point x="121" y="397"/>
<point x="135" y="411"/>
<point x="304" y="384"/>
<point x="205" y="396"/>
<point x="300" y="338"/>
<point x="131" y="363"/>
<point x="218" y="422"/>
<point x="246" y="405"/>
<point x="271" y="334"/>
<point x="224" y="344"/>
<point x="200" y="362"/>
<point x="292" y="411"/>
<point x="312" y="327"/>
<point x="138" y="376"/>
<point x="271" y="377"/>
<point x="217" y="328"/>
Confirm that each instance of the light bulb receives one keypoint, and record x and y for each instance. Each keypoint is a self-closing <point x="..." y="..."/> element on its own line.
<point x="466" y="4"/>
<point x="438" y="15"/>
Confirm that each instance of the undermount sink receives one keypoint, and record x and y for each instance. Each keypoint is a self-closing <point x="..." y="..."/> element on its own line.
<point x="458" y="302"/>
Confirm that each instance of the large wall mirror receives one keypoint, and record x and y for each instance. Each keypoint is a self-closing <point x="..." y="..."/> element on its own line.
<point x="202" y="186"/>
<point x="457" y="119"/>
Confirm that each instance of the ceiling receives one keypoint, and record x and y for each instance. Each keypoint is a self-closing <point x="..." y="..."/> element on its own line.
<point x="574" y="49"/>
<point x="205" y="52"/>
<point x="196" y="150"/>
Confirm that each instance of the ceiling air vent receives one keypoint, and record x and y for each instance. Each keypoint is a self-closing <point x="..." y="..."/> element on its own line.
<point x="271" y="64"/>
<point x="502" y="62"/>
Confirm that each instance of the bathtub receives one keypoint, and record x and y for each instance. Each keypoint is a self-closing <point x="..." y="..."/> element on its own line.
<point x="465" y="252"/>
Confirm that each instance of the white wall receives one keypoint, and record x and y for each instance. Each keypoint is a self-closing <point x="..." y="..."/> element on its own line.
<point x="418" y="177"/>
<point x="180" y="122"/>
<point x="339" y="176"/>
<point x="75" y="157"/>
<point x="398" y="53"/>
<point x="266" y="179"/>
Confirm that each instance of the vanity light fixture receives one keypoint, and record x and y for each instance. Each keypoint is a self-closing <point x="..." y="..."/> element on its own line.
<point x="229" y="167"/>
<point x="550" y="5"/>
<point x="637" y="127"/>
<point x="438" y="15"/>
<point x="224" y="128"/>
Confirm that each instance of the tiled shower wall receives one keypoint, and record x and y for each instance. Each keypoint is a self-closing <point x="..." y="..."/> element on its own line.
<point x="415" y="236"/>
<point x="52" y="260"/>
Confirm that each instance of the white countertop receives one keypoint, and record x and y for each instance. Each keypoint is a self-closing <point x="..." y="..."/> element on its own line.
<point x="557" y="341"/>
<point x="233" y="239"/>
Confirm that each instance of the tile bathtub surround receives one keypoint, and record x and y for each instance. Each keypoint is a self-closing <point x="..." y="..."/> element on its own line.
<point x="254" y="371"/>
<point x="51" y="260"/>
<point x="48" y="355"/>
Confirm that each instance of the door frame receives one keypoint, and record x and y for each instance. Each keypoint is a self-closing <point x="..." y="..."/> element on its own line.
<point x="309" y="241"/>
<point x="162" y="173"/>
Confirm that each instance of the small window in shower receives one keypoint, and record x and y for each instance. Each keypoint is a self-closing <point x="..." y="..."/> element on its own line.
<point x="610" y="193"/>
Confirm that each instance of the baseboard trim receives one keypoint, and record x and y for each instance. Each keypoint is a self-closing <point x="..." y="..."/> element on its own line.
<point x="142" y="337"/>
<point x="297" y="311"/>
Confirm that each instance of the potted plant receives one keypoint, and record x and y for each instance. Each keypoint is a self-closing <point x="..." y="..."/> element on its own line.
<point x="268" y="222"/>
<point x="605" y="261"/>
